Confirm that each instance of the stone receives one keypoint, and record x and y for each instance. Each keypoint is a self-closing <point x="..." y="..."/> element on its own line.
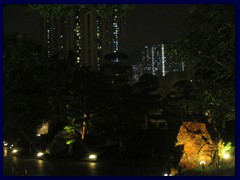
<point x="198" y="147"/>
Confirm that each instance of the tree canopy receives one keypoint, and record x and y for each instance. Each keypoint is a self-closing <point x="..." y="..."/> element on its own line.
<point x="25" y="91"/>
<point x="57" y="10"/>
<point x="210" y="43"/>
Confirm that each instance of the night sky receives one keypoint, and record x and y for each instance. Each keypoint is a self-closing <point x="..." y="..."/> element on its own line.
<point x="154" y="24"/>
<point x="146" y="24"/>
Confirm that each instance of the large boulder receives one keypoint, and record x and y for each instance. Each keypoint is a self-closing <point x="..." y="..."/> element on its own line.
<point x="198" y="147"/>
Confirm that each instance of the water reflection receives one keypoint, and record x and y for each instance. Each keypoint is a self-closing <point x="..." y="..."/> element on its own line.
<point x="93" y="168"/>
<point x="15" y="159"/>
<point x="5" y="151"/>
<point x="40" y="163"/>
<point x="92" y="165"/>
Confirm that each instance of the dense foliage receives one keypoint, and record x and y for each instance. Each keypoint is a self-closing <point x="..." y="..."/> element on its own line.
<point x="57" y="10"/>
<point x="25" y="89"/>
<point x="210" y="44"/>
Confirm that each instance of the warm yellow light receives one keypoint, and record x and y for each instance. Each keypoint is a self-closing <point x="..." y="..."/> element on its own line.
<point x="43" y="129"/>
<point x="226" y="156"/>
<point x="5" y="152"/>
<point x="5" y="144"/>
<point x="165" y="174"/>
<point x="202" y="162"/>
<point x="92" y="156"/>
<point x="14" y="151"/>
<point x="40" y="154"/>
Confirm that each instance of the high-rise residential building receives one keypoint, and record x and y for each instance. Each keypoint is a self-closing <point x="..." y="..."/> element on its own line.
<point x="157" y="60"/>
<point x="89" y="36"/>
<point x="153" y="60"/>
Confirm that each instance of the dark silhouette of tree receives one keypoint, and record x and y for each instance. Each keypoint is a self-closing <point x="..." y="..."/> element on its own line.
<point x="57" y="10"/>
<point x="25" y="85"/>
<point x="210" y="42"/>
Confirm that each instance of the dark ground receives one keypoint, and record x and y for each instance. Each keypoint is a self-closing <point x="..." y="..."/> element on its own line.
<point x="14" y="166"/>
<point x="28" y="166"/>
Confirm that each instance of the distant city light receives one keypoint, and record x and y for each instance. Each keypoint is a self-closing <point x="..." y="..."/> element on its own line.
<point x="163" y="61"/>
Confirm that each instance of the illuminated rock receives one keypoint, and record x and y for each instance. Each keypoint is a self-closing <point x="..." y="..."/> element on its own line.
<point x="197" y="145"/>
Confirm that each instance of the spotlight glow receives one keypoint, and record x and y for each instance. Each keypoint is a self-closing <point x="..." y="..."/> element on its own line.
<point x="92" y="156"/>
<point x="14" y="151"/>
<point x="40" y="154"/>
<point x="226" y="156"/>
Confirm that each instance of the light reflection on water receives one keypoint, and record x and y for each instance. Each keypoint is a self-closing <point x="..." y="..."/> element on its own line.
<point x="93" y="168"/>
<point x="92" y="165"/>
<point x="15" y="159"/>
<point x="40" y="163"/>
<point x="5" y="152"/>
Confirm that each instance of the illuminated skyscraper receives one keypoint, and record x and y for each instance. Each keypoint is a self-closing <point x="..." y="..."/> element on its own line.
<point x="157" y="60"/>
<point x="89" y="36"/>
<point x="153" y="58"/>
